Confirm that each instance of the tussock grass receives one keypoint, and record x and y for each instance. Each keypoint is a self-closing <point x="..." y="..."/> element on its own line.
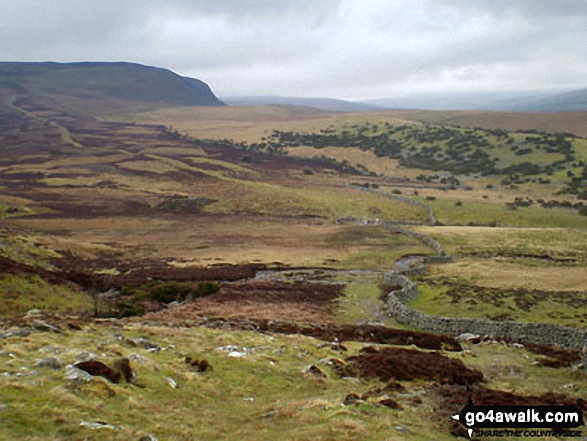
<point x="19" y="294"/>
<point x="550" y="243"/>
<point x="261" y="396"/>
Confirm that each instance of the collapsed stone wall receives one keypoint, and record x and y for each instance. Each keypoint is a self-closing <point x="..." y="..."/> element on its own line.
<point x="541" y="333"/>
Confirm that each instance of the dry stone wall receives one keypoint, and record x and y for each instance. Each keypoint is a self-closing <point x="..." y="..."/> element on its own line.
<point x="540" y="333"/>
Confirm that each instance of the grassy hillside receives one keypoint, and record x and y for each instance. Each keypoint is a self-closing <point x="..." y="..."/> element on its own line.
<point x="552" y="122"/>
<point x="258" y="240"/>
<point x="93" y="88"/>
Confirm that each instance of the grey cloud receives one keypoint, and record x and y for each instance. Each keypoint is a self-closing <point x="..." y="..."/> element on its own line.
<point x="314" y="47"/>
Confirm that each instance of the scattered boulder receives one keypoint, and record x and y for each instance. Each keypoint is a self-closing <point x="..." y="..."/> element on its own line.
<point x="99" y="369"/>
<point x="148" y="438"/>
<point x="49" y="362"/>
<point x="99" y="425"/>
<point x="467" y="337"/>
<point x="15" y="332"/>
<point x="85" y="356"/>
<point x="43" y="326"/>
<point x="33" y="312"/>
<point x="137" y="358"/>
<point x="171" y="382"/>
<point x="145" y="344"/>
<point x="237" y="354"/>
<point x="49" y="350"/>
<point x="77" y="375"/>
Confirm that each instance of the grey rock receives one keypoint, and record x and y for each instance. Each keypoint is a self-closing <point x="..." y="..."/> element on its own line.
<point x="3" y="406"/>
<point x="148" y="438"/>
<point x="7" y="354"/>
<point x="401" y="429"/>
<point x="49" y="362"/>
<point x="77" y="375"/>
<point x="137" y="358"/>
<point x="49" y="350"/>
<point x="99" y="425"/>
<point x="466" y="336"/>
<point x="173" y="304"/>
<point x="145" y="344"/>
<point x="15" y="332"/>
<point x="85" y="356"/>
<point x="41" y="325"/>
<point x="270" y="414"/>
<point x="34" y="312"/>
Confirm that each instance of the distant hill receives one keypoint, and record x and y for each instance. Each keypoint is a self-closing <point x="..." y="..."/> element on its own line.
<point x="97" y="87"/>
<point x="575" y="100"/>
<point x="510" y="101"/>
<point x="327" y="104"/>
<point x="460" y="100"/>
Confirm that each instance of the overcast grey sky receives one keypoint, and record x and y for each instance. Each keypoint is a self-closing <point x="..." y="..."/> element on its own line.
<point x="350" y="49"/>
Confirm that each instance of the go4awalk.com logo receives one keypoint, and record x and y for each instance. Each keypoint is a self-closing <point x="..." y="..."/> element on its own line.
<point x="521" y="421"/>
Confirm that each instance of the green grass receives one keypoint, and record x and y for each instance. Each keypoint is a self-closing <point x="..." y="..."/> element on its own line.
<point x="475" y="302"/>
<point x="361" y="303"/>
<point x="554" y="243"/>
<point x="212" y="406"/>
<point x="9" y="209"/>
<point x="25" y="249"/>
<point x="22" y="293"/>
<point x="485" y="213"/>
<point x="262" y="396"/>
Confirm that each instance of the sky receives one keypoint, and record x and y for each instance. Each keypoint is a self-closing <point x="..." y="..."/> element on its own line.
<point x="348" y="49"/>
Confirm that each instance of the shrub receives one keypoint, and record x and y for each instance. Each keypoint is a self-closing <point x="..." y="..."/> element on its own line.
<point x="167" y="292"/>
<point x="128" y="308"/>
<point x="205" y="289"/>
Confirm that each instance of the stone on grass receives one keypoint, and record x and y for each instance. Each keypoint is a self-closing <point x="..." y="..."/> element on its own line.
<point x="137" y="358"/>
<point x="77" y="375"/>
<point x="145" y="344"/>
<point x="467" y="337"/>
<point x="99" y="425"/>
<point x="43" y="326"/>
<point x="15" y="332"/>
<point x="49" y="362"/>
<point x="85" y="356"/>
